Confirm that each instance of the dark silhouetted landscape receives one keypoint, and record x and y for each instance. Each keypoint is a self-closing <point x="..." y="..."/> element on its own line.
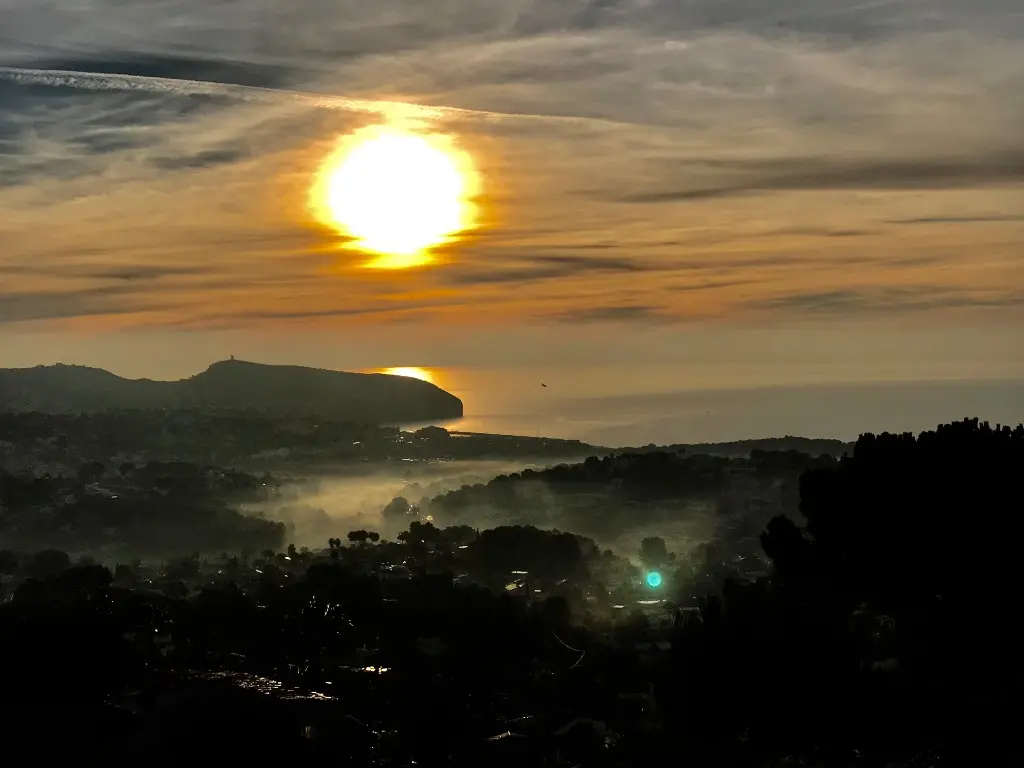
<point x="232" y="385"/>
<point x="233" y="583"/>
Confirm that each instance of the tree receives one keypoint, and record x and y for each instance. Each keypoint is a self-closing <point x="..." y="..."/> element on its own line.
<point x="48" y="563"/>
<point x="422" y="533"/>
<point x="459" y="535"/>
<point x="182" y="569"/>
<point x="91" y="471"/>
<point x="653" y="552"/>
<point x="84" y="580"/>
<point x="887" y="526"/>
<point x="123" y="575"/>
<point x="550" y="554"/>
<point x="396" y="509"/>
<point x="9" y="562"/>
<point x="556" y="612"/>
<point x="335" y="547"/>
<point x="907" y="551"/>
<point x="634" y="627"/>
<point x="373" y="536"/>
<point x="176" y="591"/>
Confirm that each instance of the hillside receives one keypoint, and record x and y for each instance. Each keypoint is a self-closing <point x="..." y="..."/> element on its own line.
<point x="231" y="385"/>
<point x="620" y="499"/>
<point x="741" y="449"/>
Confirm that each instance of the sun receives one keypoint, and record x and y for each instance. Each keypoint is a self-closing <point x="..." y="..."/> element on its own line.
<point x="423" y="374"/>
<point x="397" y="193"/>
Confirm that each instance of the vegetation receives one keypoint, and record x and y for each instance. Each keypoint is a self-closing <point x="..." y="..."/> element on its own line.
<point x="709" y="509"/>
<point x="881" y="629"/>
<point x="741" y="449"/>
<point x="883" y="624"/>
<point x="152" y="509"/>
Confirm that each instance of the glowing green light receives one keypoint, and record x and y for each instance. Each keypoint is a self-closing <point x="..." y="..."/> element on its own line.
<point x="654" y="579"/>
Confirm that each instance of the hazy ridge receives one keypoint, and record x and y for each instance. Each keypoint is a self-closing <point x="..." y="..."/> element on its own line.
<point x="232" y="385"/>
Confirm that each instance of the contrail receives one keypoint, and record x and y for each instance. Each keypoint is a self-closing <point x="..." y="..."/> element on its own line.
<point x="100" y="81"/>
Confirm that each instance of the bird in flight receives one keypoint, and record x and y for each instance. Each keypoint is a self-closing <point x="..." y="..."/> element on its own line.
<point x="544" y="385"/>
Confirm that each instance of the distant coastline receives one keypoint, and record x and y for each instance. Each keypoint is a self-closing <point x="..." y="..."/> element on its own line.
<point x="231" y="385"/>
<point x="822" y="411"/>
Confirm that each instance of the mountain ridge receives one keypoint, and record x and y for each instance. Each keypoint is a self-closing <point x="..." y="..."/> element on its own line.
<point x="231" y="385"/>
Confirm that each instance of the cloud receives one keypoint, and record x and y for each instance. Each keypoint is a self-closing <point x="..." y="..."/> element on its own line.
<point x="202" y="159"/>
<point x="175" y="66"/>
<point x="709" y="285"/>
<point x="823" y="174"/>
<point x="957" y="220"/>
<point x="890" y="299"/>
<point x="620" y="313"/>
<point x="848" y="233"/>
<point x="526" y="268"/>
<point x="131" y="272"/>
<point x="57" y="305"/>
<point x="142" y="273"/>
<point x="380" y="312"/>
<point x="104" y="82"/>
<point x="184" y="135"/>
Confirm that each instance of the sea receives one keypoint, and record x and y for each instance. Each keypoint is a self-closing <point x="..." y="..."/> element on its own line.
<point x="618" y="408"/>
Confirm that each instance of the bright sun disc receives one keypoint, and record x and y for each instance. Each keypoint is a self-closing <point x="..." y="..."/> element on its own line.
<point x="423" y="374"/>
<point x="397" y="193"/>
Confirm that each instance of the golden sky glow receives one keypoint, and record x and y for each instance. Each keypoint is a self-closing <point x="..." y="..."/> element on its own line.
<point x="643" y="168"/>
<point x="397" y="193"/>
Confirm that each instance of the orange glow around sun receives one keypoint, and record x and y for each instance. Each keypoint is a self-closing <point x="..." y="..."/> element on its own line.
<point x="423" y="374"/>
<point x="397" y="193"/>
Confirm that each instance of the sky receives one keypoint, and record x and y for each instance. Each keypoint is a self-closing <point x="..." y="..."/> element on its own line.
<point x="733" y="192"/>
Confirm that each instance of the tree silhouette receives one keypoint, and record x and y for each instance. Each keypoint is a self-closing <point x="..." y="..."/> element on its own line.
<point x="9" y="562"/>
<point x="396" y="509"/>
<point x="421" y="533"/>
<point x="362" y="536"/>
<point x="48" y="563"/>
<point x="89" y="581"/>
<point x="653" y="552"/>
<point x="906" y="561"/>
<point x="91" y="471"/>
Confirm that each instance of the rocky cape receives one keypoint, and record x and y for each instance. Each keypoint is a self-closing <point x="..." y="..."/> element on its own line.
<point x="232" y="385"/>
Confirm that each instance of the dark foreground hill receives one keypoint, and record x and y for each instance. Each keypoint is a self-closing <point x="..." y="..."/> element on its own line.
<point x="231" y="385"/>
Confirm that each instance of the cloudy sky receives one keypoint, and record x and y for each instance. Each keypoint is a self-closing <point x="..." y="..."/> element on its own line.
<point x="832" y="183"/>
